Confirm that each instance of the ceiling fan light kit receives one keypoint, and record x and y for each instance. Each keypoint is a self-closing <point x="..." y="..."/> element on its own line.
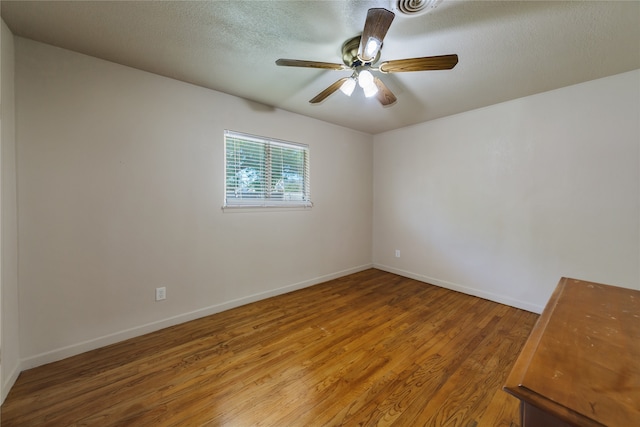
<point x="348" y="86"/>
<point x="365" y="81"/>
<point x="372" y="47"/>
<point x="360" y="53"/>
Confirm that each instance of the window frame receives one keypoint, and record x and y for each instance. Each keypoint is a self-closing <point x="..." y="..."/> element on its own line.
<point x="264" y="199"/>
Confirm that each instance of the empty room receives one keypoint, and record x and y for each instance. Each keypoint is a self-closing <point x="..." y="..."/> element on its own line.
<point x="310" y="213"/>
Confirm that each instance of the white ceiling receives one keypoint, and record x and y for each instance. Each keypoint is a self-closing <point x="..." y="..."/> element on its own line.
<point x="506" y="49"/>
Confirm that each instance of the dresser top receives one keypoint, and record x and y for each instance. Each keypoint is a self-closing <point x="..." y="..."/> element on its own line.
<point x="582" y="360"/>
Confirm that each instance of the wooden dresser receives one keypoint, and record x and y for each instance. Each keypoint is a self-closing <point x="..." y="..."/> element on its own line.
<point x="581" y="363"/>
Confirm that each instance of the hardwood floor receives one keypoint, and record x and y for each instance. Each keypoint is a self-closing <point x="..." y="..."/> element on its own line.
<point x="371" y="348"/>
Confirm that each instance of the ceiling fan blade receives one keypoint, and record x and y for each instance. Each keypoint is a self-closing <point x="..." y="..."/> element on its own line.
<point x="310" y="64"/>
<point x="385" y="96"/>
<point x="328" y="91"/>
<point x="375" y="27"/>
<point x="443" y="62"/>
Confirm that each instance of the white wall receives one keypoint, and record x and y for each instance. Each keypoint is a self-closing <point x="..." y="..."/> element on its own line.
<point x="120" y="188"/>
<point x="503" y="201"/>
<point x="10" y="367"/>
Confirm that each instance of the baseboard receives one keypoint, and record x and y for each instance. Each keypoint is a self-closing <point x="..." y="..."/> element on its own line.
<point x="81" y="347"/>
<point x="9" y="381"/>
<point x="534" y="308"/>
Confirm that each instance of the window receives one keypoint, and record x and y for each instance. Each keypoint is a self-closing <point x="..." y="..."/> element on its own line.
<point x="265" y="172"/>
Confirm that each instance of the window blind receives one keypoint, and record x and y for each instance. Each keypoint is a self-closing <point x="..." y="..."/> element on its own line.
<point x="265" y="172"/>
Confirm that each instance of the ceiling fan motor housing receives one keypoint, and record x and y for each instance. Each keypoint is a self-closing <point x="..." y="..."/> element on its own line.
<point x="350" y="53"/>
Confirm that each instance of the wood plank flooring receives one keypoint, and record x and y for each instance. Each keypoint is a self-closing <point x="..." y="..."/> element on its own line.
<point x="372" y="348"/>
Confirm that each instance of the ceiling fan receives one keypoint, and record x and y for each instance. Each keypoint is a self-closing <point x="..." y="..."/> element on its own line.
<point x="361" y="53"/>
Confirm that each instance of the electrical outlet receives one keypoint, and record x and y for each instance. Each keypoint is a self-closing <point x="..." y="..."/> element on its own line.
<point x="161" y="293"/>
<point x="397" y="253"/>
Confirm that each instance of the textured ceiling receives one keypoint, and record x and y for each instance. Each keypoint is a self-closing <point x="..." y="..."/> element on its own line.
<point x="506" y="49"/>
